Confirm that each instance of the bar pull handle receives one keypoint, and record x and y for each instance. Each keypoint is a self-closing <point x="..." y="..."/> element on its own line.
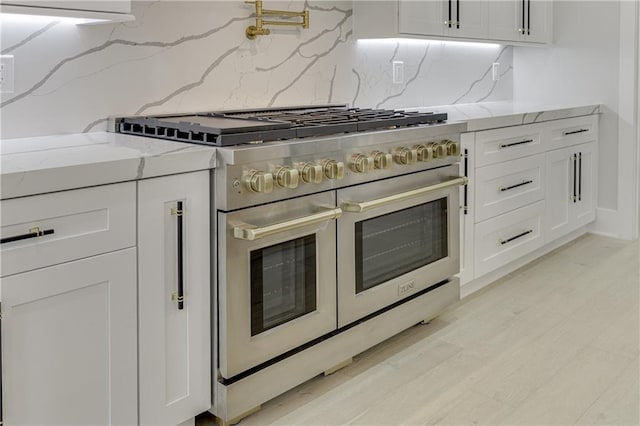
<point x="465" y="207"/>
<point x="517" y="185"/>
<point x="579" y="176"/>
<point x="251" y="232"/>
<point x="448" y="22"/>
<point x="522" y="29"/>
<point x="178" y="211"/>
<point x="33" y="233"/>
<point x="515" y="237"/>
<point x="575" y="172"/>
<point x="364" y="206"/>
<point x="507" y="145"/>
<point x="458" y="14"/>
<point x="528" y="17"/>
<point x="573" y="132"/>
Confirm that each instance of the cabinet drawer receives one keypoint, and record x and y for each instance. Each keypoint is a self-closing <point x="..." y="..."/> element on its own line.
<point x="506" y="186"/>
<point x="47" y="229"/>
<point x="509" y="143"/>
<point x="572" y="131"/>
<point x="507" y="237"/>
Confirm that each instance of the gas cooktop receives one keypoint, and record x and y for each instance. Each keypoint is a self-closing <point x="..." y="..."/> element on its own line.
<point x="227" y="128"/>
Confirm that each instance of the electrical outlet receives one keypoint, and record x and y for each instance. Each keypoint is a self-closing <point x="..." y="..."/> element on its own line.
<point x="495" y="70"/>
<point x="398" y="72"/>
<point x="6" y="74"/>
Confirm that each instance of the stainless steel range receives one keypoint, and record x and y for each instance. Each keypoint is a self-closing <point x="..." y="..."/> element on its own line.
<point x="336" y="228"/>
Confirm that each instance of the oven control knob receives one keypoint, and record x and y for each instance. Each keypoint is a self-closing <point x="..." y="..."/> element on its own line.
<point x="286" y="177"/>
<point x="405" y="156"/>
<point x="425" y="152"/>
<point x="310" y="173"/>
<point x="453" y="148"/>
<point x="361" y="163"/>
<point x="258" y="181"/>
<point x="381" y="160"/>
<point x="333" y="169"/>
<point x="439" y="150"/>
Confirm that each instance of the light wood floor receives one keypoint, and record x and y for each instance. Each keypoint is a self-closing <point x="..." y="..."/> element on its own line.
<point x="556" y="342"/>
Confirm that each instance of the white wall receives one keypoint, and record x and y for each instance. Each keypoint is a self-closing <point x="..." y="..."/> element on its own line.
<point x="185" y="56"/>
<point x="589" y="62"/>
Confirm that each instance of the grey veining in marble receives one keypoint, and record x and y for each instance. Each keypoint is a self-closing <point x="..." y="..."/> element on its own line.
<point x="182" y="56"/>
<point x="54" y="163"/>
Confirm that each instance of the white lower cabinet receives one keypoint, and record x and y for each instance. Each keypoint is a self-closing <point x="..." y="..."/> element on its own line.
<point x="69" y="343"/>
<point x="573" y="192"/>
<point x="528" y="186"/>
<point x="174" y="336"/>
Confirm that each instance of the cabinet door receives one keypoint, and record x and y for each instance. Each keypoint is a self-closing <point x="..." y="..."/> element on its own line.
<point x="175" y="342"/>
<point x="69" y="343"/>
<point x="472" y="20"/>
<point x="423" y="17"/>
<point x="559" y="170"/>
<point x="520" y="20"/>
<point x="584" y="209"/>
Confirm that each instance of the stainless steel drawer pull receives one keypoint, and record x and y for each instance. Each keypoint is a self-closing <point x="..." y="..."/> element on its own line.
<point x="251" y="232"/>
<point x="573" y="132"/>
<point x="517" y="185"/>
<point x="355" y="207"/>
<point x="507" y="145"/>
<point x="515" y="237"/>
<point x="33" y="233"/>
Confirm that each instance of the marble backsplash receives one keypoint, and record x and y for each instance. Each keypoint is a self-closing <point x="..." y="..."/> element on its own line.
<point x="182" y="56"/>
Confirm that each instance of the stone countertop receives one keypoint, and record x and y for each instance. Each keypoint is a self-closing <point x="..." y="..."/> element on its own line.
<point x="54" y="163"/>
<point x="491" y="115"/>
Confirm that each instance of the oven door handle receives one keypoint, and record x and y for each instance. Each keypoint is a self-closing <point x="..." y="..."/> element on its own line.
<point x="252" y="232"/>
<point x="368" y="205"/>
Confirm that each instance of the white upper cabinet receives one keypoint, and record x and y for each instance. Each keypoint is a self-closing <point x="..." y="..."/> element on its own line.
<point x="523" y="21"/>
<point x="520" y="21"/>
<point x="92" y="10"/>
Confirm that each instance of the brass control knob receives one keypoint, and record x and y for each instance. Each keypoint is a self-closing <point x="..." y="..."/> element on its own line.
<point x="361" y="163"/>
<point x="404" y="155"/>
<point x="381" y="160"/>
<point x="286" y="177"/>
<point x="425" y="152"/>
<point x="333" y="169"/>
<point x="439" y="150"/>
<point x="453" y="148"/>
<point x="310" y="173"/>
<point x="258" y="181"/>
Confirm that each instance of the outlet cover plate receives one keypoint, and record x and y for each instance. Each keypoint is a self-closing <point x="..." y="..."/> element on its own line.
<point x="6" y="73"/>
<point x="398" y="72"/>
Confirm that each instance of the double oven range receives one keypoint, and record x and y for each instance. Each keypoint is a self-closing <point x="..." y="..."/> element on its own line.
<point x="325" y="218"/>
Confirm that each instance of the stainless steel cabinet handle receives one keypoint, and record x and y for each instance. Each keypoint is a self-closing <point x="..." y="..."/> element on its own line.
<point x="515" y="237"/>
<point x="507" y="145"/>
<point x="33" y="233"/>
<point x="517" y="185"/>
<point x="575" y="179"/>
<point x="579" y="176"/>
<point x="251" y="232"/>
<point x="356" y="207"/>
<point x="573" y="132"/>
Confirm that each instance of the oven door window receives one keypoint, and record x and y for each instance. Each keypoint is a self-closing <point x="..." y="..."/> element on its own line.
<point x="283" y="283"/>
<point x="389" y="246"/>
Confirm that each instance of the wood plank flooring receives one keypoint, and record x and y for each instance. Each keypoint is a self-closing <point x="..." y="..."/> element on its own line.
<point x="555" y="342"/>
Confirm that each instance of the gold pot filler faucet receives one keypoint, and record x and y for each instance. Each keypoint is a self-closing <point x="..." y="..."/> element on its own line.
<point x="258" y="29"/>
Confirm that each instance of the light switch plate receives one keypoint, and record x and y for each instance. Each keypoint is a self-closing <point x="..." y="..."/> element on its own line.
<point x="6" y="73"/>
<point x="398" y="72"/>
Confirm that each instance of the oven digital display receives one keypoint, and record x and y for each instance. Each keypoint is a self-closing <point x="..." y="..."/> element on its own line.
<point x="394" y="244"/>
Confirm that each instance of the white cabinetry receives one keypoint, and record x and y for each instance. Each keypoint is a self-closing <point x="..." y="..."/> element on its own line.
<point x="175" y="348"/>
<point x="107" y="10"/>
<point x="528" y="21"/>
<point x="69" y="333"/>
<point x="529" y="185"/>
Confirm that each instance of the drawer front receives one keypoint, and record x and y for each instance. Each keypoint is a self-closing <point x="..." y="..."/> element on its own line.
<point x="572" y="131"/>
<point x="508" y="237"/>
<point x="507" y="186"/>
<point x="509" y="143"/>
<point x="48" y="229"/>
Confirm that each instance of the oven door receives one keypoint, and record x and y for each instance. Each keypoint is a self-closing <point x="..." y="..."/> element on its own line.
<point x="397" y="237"/>
<point x="277" y="279"/>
